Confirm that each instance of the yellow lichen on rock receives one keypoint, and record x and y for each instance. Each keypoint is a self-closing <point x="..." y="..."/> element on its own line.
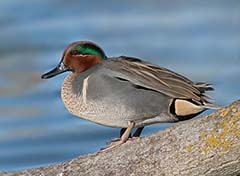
<point x="222" y="138"/>
<point x="224" y="112"/>
<point x="189" y="148"/>
<point x="238" y="115"/>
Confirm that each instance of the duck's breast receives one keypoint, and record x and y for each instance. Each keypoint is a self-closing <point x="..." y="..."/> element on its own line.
<point x="110" y="101"/>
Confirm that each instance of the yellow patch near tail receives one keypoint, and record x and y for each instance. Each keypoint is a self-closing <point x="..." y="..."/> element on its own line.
<point x="184" y="108"/>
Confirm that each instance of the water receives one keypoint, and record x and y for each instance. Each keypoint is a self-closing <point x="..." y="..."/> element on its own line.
<point x="198" y="39"/>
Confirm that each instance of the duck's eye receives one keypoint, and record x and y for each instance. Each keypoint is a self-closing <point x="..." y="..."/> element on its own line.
<point x="74" y="52"/>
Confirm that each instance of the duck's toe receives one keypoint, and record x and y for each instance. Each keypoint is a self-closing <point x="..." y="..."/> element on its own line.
<point x="112" y="145"/>
<point x="122" y="140"/>
<point x="132" y="139"/>
<point x="112" y="141"/>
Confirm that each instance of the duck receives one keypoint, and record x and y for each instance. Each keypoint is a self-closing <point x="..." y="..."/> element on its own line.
<point x="126" y="92"/>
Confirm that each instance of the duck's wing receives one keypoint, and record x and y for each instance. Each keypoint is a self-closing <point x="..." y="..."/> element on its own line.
<point x="149" y="76"/>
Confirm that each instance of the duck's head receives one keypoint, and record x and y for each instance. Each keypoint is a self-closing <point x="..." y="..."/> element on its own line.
<point x="78" y="57"/>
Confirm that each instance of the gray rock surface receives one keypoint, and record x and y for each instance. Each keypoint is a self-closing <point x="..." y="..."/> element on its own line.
<point x="208" y="145"/>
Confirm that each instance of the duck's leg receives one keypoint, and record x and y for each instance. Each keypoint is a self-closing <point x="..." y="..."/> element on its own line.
<point x="120" y="135"/>
<point x="138" y="132"/>
<point x="135" y="135"/>
<point x="123" y="139"/>
<point x="122" y="131"/>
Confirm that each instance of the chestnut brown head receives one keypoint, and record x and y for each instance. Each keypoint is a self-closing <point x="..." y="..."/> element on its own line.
<point x="78" y="57"/>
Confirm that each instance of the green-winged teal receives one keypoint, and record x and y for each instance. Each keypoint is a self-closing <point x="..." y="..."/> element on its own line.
<point x="125" y="92"/>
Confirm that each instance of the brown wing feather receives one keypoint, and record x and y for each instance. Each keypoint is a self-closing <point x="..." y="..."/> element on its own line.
<point x="161" y="79"/>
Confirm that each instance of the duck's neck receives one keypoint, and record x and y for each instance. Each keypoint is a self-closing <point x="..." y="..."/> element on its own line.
<point x="75" y="80"/>
<point x="88" y="63"/>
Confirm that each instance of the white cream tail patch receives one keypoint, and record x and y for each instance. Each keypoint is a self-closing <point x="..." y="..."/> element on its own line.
<point x="184" y="107"/>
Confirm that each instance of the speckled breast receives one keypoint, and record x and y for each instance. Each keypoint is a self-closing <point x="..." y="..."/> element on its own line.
<point x="95" y="111"/>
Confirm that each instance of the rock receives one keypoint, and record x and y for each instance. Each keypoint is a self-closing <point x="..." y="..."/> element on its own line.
<point x="208" y="145"/>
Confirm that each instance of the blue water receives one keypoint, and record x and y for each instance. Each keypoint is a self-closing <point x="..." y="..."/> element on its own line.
<point x="200" y="40"/>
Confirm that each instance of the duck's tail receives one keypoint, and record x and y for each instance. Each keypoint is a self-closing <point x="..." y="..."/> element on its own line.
<point x="207" y="100"/>
<point x="204" y="86"/>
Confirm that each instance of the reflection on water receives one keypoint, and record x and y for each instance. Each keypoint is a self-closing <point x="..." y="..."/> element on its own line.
<point x="198" y="39"/>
